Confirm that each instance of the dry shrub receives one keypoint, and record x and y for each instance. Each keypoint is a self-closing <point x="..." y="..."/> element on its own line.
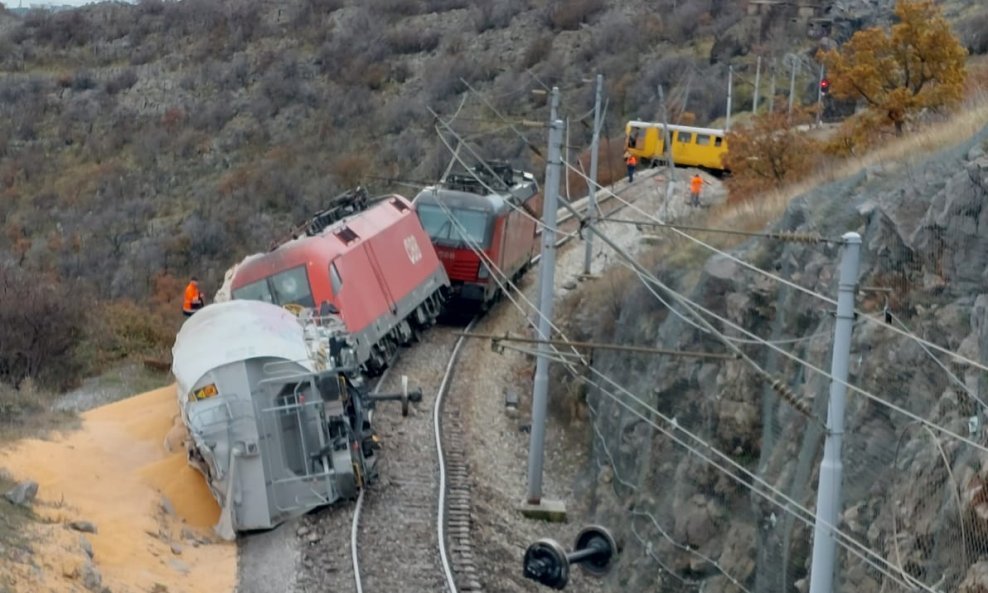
<point x="568" y="15"/>
<point x="537" y="51"/>
<point x="124" y="328"/>
<point x="768" y="154"/>
<point x="351" y="170"/>
<point x="41" y="322"/>
<point x="411" y="40"/>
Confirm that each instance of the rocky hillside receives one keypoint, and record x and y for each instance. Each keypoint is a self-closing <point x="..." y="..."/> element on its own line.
<point x="142" y="143"/>
<point x="915" y="462"/>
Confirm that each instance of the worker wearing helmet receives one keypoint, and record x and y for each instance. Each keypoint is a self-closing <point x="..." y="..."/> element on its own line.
<point x="632" y="162"/>
<point x="193" y="298"/>
<point x="696" y="184"/>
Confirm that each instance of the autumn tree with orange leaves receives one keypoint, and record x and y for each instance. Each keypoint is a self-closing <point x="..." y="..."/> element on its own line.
<point x="768" y="153"/>
<point x="918" y="64"/>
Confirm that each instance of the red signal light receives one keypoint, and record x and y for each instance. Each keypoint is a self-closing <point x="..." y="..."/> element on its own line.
<point x="824" y="86"/>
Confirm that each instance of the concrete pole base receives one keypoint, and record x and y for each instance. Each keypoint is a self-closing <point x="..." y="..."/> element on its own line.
<point x="553" y="511"/>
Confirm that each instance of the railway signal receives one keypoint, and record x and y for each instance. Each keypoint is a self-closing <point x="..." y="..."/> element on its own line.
<point x="824" y="86"/>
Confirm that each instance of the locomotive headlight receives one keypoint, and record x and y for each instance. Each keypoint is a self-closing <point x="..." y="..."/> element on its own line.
<point x="484" y="272"/>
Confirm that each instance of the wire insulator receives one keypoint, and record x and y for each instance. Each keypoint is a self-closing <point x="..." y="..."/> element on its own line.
<point x="796" y="237"/>
<point x="790" y="396"/>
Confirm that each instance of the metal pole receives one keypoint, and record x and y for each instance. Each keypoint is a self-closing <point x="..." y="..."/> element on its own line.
<point x="667" y="149"/>
<point x="730" y="84"/>
<point x="758" y="78"/>
<point x="819" y="97"/>
<point x="592" y="189"/>
<point x="540" y="392"/>
<point x="831" y="469"/>
<point x="553" y="111"/>
<point x="792" y="82"/>
<point x="553" y="104"/>
<point x="771" y="90"/>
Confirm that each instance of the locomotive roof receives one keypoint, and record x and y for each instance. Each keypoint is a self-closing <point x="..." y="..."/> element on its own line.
<point x="435" y="194"/>
<point x="520" y="190"/>
<point x="297" y="251"/>
<point x="652" y="124"/>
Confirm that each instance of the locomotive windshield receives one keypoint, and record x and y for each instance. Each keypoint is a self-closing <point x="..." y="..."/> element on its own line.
<point x="459" y="226"/>
<point x="288" y="287"/>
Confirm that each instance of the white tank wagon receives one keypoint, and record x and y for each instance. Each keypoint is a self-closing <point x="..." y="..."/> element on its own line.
<point x="276" y="421"/>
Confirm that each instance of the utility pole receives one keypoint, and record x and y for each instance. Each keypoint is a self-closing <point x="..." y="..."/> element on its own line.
<point x="758" y="78"/>
<point x="730" y="85"/>
<point x="819" y="97"/>
<point x="534" y="506"/>
<point x="553" y="116"/>
<point x="828" y="497"/>
<point x="553" y="105"/>
<point x="667" y="149"/>
<point x="592" y="193"/>
<point x="794" y="64"/>
<point x="771" y="90"/>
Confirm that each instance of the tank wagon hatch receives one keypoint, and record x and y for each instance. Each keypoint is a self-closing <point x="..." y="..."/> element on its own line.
<point x="278" y="423"/>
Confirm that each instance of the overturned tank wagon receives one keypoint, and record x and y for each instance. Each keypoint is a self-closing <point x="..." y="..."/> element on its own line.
<point x="277" y="421"/>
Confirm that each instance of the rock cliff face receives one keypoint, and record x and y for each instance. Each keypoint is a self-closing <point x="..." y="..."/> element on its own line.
<point x="915" y="488"/>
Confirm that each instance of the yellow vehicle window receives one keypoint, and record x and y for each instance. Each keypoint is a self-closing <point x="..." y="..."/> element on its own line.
<point x="703" y="139"/>
<point x="684" y="137"/>
<point x="718" y="141"/>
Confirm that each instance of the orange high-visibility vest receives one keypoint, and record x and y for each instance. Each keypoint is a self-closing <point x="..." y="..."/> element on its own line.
<point x="695" y="184"/>
<point x="193" y="298"/>
<point x="632" y="161"/>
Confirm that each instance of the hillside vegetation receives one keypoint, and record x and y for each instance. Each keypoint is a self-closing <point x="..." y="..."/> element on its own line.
<point x="144" y="143"/>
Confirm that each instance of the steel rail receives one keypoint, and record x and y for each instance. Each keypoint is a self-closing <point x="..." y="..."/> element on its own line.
<point x="358" y="584"/>
<point x="437" y="426"/>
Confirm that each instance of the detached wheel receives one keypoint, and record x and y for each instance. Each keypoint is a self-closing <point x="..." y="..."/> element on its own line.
<point x="545" y="562"/>
<point x="595" y="537"/>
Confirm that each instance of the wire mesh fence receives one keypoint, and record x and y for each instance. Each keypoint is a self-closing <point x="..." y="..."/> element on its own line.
<point x="716" y="475"/>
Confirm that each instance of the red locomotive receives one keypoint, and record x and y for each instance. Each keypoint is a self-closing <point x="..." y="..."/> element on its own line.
<point x="493" y="209"/>
<point x="373" y="265"/>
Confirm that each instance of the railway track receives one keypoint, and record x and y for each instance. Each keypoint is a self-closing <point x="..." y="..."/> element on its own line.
<point x="404" y="524"/>
<point x="411" y="530"/>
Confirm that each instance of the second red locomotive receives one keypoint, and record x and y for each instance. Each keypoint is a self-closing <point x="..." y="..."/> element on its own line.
<point x="373" y="265"/>
<point x="492" y="209"/>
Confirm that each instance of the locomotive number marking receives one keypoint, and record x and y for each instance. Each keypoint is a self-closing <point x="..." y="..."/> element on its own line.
<point x="412" y="249"/>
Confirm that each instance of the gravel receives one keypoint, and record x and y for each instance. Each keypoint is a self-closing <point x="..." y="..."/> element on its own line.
<point x="311" y="553"/>
<point x="499" y="440"/>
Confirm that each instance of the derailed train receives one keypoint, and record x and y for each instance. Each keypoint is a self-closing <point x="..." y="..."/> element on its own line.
<point x="276" y="420"/>
<point x="271" y="399"/>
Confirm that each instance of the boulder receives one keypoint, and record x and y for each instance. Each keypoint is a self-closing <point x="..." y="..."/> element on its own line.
<point x="23" y="494"/>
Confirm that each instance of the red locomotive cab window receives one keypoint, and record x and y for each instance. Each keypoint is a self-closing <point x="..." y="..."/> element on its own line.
<point x="399" y="205"/>
<point x="335" y="279"/>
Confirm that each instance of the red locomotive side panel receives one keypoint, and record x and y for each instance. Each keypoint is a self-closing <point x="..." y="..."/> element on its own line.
<point x="489" y="214"/>
<point x="377" y="268"/>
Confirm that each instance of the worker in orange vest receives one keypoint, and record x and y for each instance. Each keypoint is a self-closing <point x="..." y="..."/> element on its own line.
<point x="696" y="184"/>
<point x="193" y="298"/>
<point x="632" y="162"/>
